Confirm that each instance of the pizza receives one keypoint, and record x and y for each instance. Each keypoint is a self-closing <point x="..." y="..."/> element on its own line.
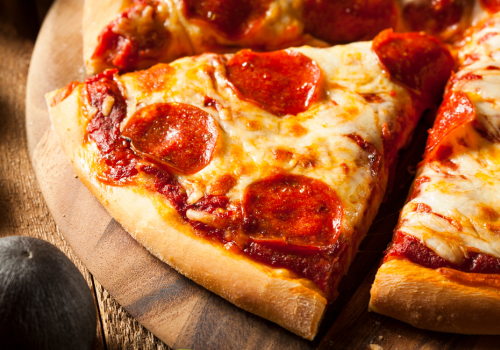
<point x="131" y="35"/>
<point x="442" y="270"/>
<point x="254" y="174"/>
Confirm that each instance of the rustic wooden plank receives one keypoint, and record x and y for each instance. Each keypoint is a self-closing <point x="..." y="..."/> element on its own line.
<point x="125" y="331"/>
<point x="22" y="208"/>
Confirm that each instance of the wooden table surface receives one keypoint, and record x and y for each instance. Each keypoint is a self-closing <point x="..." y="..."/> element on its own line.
<point x="23" y="210"/>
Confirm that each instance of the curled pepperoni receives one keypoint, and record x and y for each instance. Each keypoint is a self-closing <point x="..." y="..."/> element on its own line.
<point x="433" y="16"/>
<point x="281" y="82"/>
<point x="293" y="209"/>
<point x="136" y="39"/>
<point x="232" y="18"/>
<point x="180" y="136"/>
<point x="419" y="61"/>
<point x="492" y="6"/>
<point x="344" y="21"/>
<point x="456" y="110"/>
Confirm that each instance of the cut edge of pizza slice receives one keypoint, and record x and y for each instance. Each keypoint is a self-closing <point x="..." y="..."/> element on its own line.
<point x="256" y="175"/>
<point x="442" y="269"/>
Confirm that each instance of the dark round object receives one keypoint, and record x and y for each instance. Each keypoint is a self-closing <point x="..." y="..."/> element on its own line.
<point x="44" y="301"/>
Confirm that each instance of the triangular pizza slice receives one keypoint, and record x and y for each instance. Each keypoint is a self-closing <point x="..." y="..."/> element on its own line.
<point x="256" y="175"/>
<point x="442" y="270"/>
<point x="136" y="34"/>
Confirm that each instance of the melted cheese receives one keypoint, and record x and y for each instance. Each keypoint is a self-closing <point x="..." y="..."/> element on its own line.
<point x="254" y="143"/>
<point x="465" y="198"/>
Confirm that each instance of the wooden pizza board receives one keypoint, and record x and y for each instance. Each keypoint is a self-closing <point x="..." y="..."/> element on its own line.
<point x="175" y="309"/>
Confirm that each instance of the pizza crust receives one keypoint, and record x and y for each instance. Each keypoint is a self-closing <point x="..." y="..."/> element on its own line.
<point x="427" y="299"/>
<point x="275" y="294"/>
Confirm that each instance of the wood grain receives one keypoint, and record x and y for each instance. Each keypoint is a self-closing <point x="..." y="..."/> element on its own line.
<point x="178" y="311"/>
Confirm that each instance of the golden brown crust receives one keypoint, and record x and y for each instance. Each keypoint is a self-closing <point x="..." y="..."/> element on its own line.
<point x="294" y="303"/>
<point x="429" y="299"/>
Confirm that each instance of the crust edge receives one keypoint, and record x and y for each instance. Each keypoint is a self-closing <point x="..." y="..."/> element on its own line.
<point x="427" y="299"/>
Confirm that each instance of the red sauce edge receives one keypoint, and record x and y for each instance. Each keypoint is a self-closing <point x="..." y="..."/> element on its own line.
<point x="413" y="249"/>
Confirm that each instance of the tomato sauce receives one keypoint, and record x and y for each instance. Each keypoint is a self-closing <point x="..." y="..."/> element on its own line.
<point x="324" y="267"/>
<point x="411" y="248"/>
<point x="104" y="128"/>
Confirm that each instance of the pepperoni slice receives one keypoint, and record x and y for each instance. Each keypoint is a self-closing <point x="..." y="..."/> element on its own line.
<point x="293" y="209"/>
<point x="232" y="18"/>
<point x="419" y="61"/>
<point x="281" y="82"/>
<point x="492" y="6"/>
<point x="180" y="136"/>
<point x="433" y="16"/>
<point x="136" y="39"/>
<point x="456" y="110"/>
<point x="154" y="78"/>
<point x="344" y="21"/>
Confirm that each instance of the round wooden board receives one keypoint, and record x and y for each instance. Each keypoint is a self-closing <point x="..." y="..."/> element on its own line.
<point x="181" y="313"/>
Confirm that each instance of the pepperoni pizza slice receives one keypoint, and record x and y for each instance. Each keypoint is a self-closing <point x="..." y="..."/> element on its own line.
<point x="135" y="34"/>
<point x="442" y="270"/>
<point x="131" y="35"/>
<point x="256" y="175"/>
